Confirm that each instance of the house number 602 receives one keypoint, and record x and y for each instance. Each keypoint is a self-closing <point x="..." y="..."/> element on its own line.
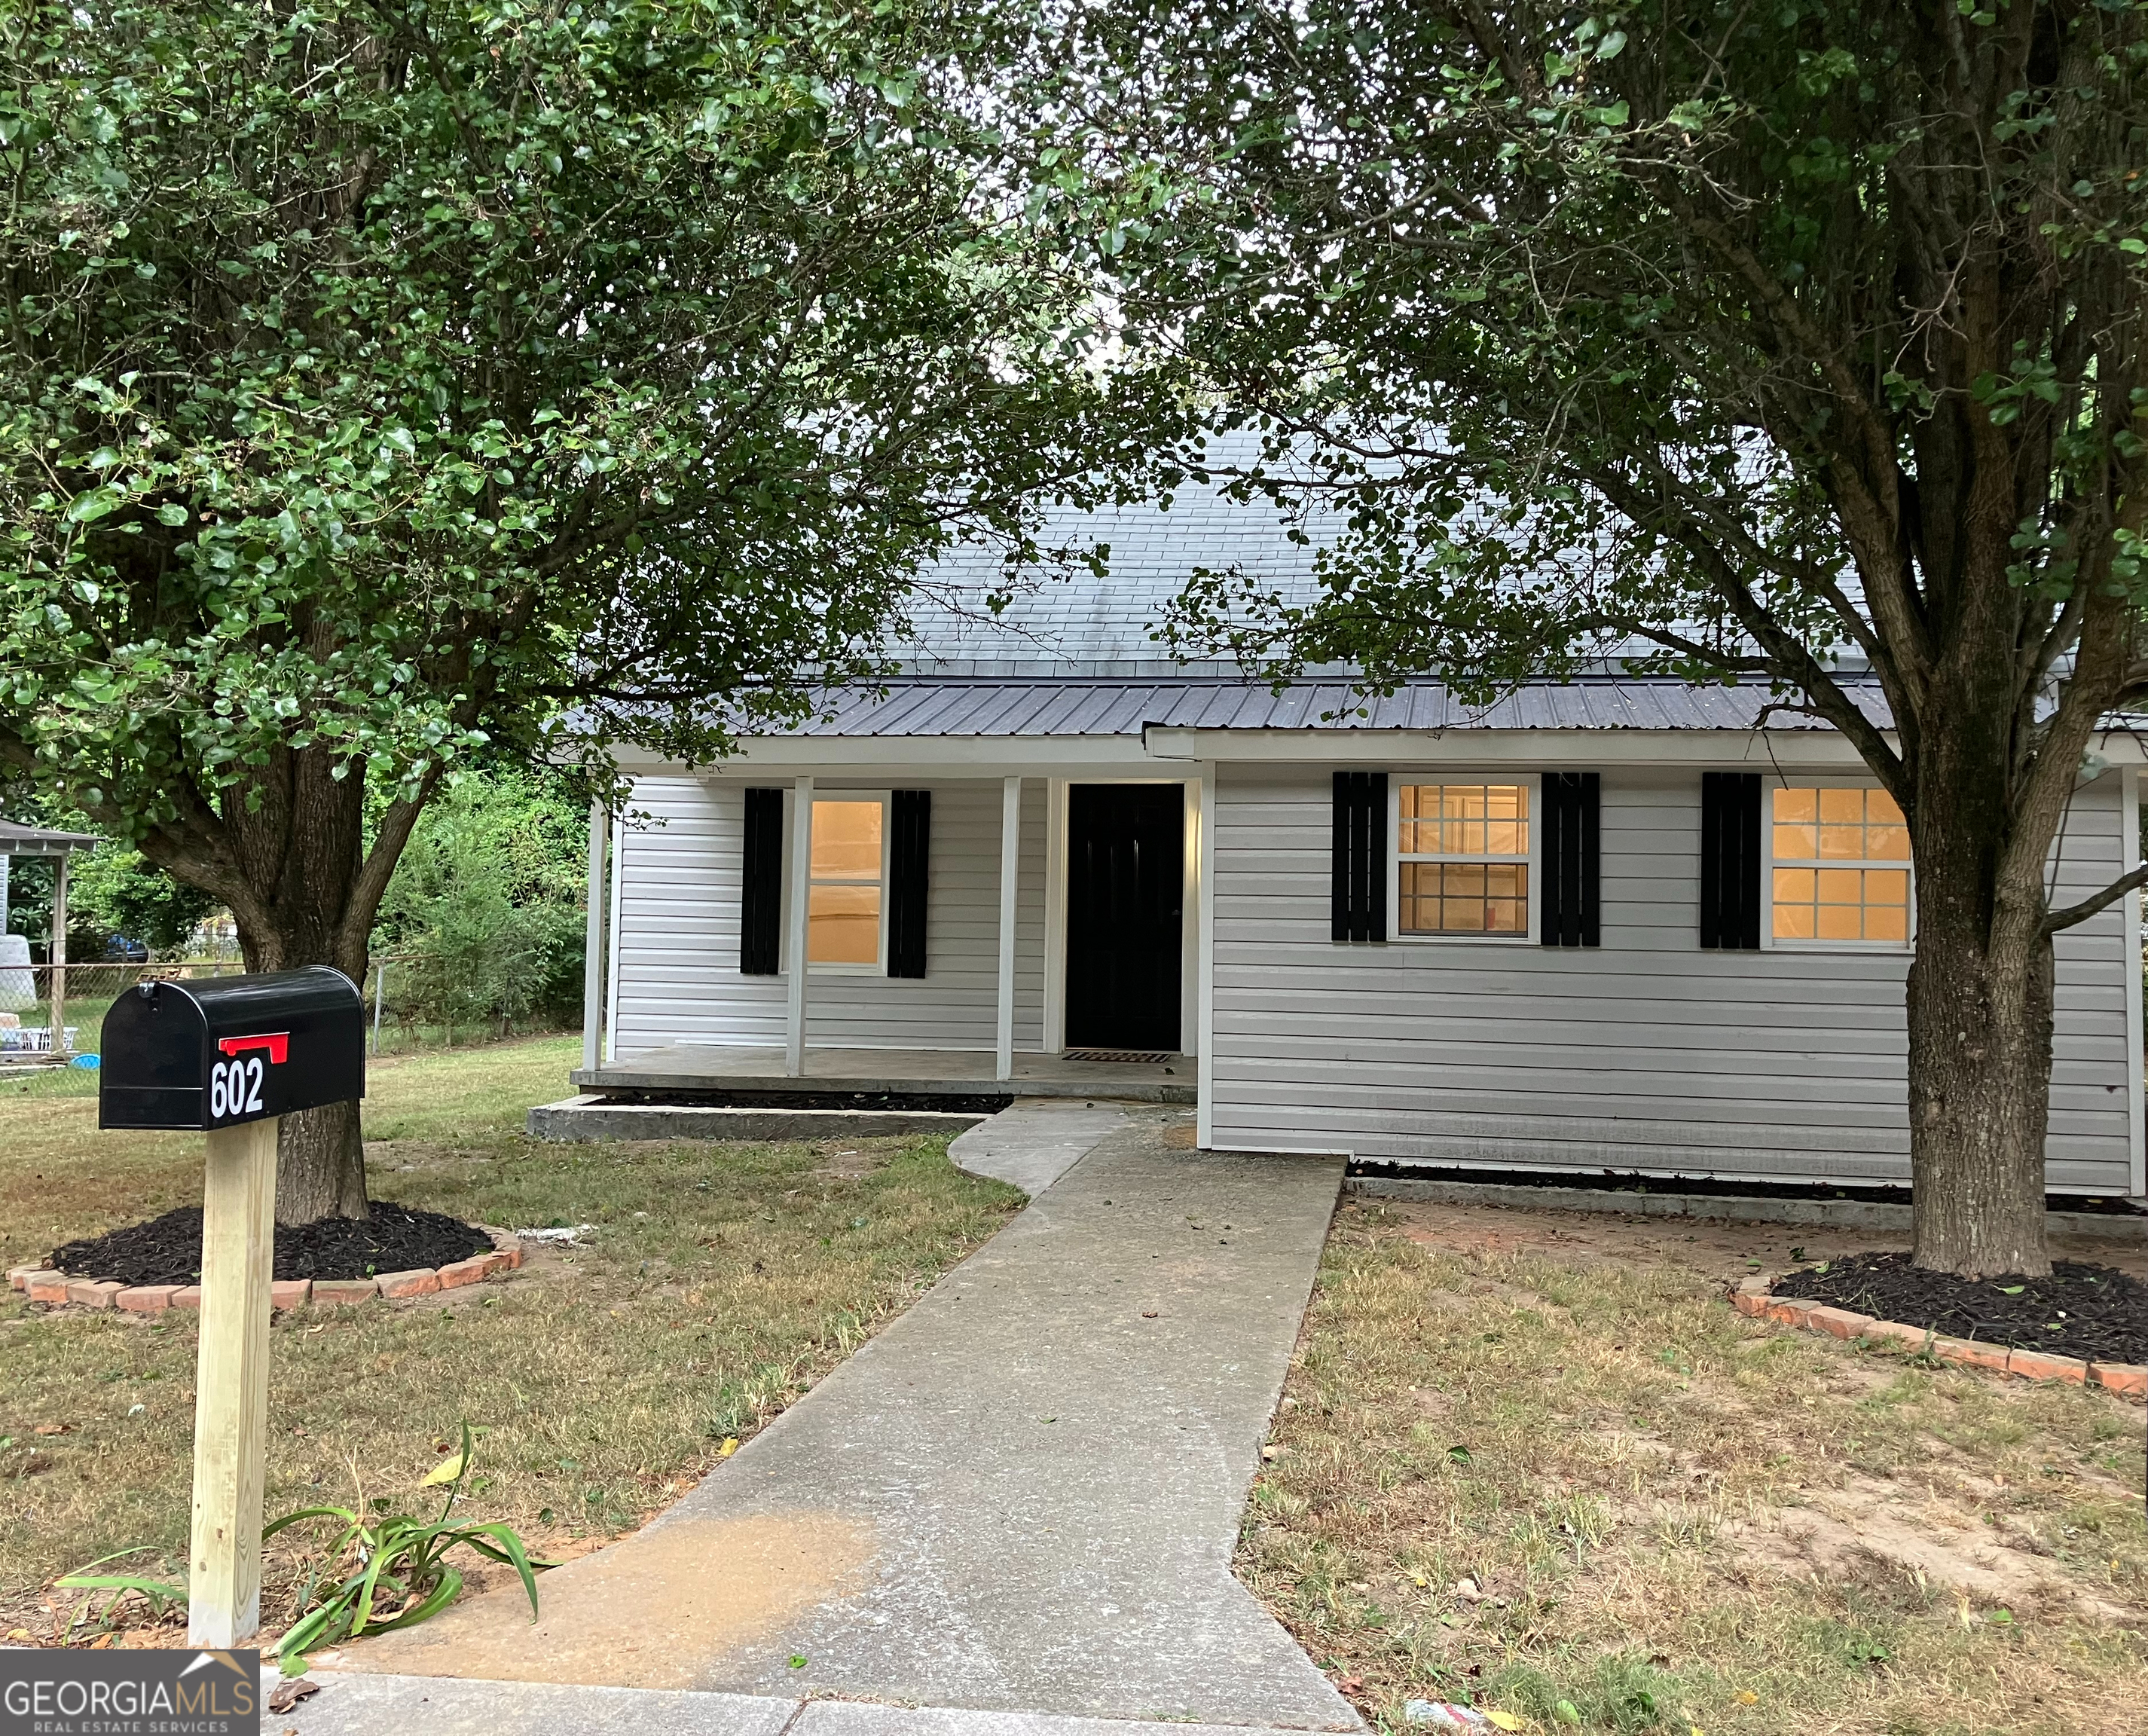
<point x="234" y="1087"/>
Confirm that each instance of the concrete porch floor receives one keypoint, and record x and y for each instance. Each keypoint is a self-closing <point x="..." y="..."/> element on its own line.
<point x="689" y="1068"/>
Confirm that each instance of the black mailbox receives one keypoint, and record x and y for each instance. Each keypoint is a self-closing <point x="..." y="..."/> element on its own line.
<point x="220" y="1050"/>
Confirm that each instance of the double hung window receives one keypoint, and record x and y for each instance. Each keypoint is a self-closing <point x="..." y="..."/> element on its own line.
<point x="1464" y="859"/>
<point x="1839" y="868"/>
<point x="845" y="903"/>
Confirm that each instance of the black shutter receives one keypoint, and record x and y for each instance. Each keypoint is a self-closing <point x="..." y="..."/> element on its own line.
<point x="1359" y="865"/>
<point x="1730" y="860"/>
<point x="760" y="895"/>
<point x="1572" y="911"/>
<point x="908" y="875"/>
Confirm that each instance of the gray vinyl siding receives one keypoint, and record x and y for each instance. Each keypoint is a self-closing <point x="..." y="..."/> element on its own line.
<point x="679" y="886"/>
<point x="1647" y="1054"/>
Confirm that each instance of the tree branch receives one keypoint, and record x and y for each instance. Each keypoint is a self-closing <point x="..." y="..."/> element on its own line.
<point x="2088" y="907"/>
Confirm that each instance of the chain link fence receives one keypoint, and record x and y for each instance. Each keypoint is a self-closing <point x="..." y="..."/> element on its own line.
<point x="80" y="994"/>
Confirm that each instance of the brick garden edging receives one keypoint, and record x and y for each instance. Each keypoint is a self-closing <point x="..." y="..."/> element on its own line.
<point x="57" y="1290"/>
<point x="2129" y="1380"/>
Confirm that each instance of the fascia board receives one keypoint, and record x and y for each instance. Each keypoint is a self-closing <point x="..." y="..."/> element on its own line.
<point x="1812" y="749"/>
<point x="1104" y="756"/>
<point x="999" y="753"/>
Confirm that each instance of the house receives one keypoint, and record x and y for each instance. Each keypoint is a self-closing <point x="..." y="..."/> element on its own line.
<point x="1621" y="923"/>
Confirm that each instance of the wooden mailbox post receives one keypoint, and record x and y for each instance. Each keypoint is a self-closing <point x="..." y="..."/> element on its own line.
<point x="231" y="1055"/>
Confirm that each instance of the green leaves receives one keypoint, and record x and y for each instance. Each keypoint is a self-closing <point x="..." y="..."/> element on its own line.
<point x="398" y="1571"/>
<point x="160" y="1594"/>
<point x="564" y="376"/>
<point x="93" y="503"/>
<point x="1564" y="334"/>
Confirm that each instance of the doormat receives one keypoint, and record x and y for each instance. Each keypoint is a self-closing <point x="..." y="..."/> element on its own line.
<point x="1124" y="1057"/>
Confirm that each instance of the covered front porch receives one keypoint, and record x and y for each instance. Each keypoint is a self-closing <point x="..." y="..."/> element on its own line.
<point x="1045" y="942"/>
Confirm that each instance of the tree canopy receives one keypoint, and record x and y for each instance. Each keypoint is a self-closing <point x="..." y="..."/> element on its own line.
<point x="1799" y="344"/>
<point x="383" y="379"/>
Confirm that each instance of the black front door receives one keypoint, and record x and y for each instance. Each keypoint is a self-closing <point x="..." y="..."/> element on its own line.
<point x="1125" y="850"/>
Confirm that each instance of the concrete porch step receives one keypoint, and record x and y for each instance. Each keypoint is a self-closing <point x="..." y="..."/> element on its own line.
<point x="590" y="1116"/>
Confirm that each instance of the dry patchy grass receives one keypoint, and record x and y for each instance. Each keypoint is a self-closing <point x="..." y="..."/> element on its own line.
<point x="1669" y="1517"/>
<point x="721" y="1281"/>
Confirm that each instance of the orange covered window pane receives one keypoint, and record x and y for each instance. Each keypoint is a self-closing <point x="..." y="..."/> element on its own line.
<point x="1839" y="826"/>
<point x="1464" y="898"/>
<point x="842" y="924"/>
<point x="1464" y="820"/>
<point x="846" y="839"/>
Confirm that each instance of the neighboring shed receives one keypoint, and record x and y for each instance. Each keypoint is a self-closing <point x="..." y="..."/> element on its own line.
<point x="17" y="981"/>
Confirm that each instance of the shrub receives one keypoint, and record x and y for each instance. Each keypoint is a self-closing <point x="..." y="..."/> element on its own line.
<point x="120" y="891"/>
<point x="485" y="914"/>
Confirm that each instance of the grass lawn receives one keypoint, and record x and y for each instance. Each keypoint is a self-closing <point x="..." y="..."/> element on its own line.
<point x="1536" y="1460"/>
<point x="720" y="1282"/>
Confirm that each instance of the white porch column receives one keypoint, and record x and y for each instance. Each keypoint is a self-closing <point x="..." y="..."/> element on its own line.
<point x="592" y="946"/>
<point x="1204" y="1035"/>
<point x="1193" y="847"/>
<point x="1009" y="871"/>
<point x="614" y="918"/>
<point x="797" y="939"/>
<point x="2136" y="1108"/>
<point x="1055" y="915"/>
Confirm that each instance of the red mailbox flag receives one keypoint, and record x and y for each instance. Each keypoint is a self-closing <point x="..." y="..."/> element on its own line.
<point x="278" y="1043"/>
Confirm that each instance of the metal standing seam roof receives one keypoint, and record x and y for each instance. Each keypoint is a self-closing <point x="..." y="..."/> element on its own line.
<point x="966" y="706"/>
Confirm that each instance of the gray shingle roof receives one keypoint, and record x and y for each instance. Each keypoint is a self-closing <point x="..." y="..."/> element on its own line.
<point x="1063" y="619"/>
<point x="1075" y="654"/>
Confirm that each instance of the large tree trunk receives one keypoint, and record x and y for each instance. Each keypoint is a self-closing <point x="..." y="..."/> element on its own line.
<point x="286" y="850"/>
<point x="1980" y="1013"/>
<point x="1979" y="1096"/>
<point x="301" y="849"/>
<point x="320" y="1165"/>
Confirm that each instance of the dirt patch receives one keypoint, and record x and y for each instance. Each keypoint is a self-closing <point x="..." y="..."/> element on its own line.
<point x="1930" y="1539"/>
<point x="481" y="1577"/>
<point x="2094" y="1312"/>
<point x="167" y="1250"/>
<point x="849" y="1163"/>
<point x="652" y="1611"/>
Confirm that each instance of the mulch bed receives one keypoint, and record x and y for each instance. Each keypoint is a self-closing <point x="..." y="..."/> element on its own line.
<point x="167" y="1250"/>
<point x="2089" y="1311"/>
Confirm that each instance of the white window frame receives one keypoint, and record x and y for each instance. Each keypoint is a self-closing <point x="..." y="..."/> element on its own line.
<point x="1768" y="941"/>
<point x="820" y="967"/>
<point x="1529" y="780"/>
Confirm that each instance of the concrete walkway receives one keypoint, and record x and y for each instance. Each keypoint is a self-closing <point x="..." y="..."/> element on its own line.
<point x="1036" y="1142"/>
<point x="353" y="1705"/>
<point x="1022" y="1496"/>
